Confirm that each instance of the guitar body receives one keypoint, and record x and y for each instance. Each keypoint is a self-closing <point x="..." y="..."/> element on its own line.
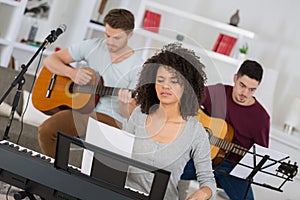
<point x="218" y="128"/>
<point x="62" y="95"/>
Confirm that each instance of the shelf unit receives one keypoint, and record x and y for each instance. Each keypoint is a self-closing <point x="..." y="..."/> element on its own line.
<point x="11" y="2"/>
<point x="11" y="13"/>
<point x="197" y="18"/>
<point x="164" y="39"/>
<point x="14" y="27"/>
<point x="93" y="27"/>
<point x="240" y="33"/>
<point x="200" y="50"/>
<point x="29" y="48"/>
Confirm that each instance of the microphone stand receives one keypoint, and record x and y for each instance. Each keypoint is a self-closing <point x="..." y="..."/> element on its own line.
<point x="20" y="80"/>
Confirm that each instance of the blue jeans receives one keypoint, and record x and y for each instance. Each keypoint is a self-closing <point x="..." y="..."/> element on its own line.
<point x="234" y="187"/>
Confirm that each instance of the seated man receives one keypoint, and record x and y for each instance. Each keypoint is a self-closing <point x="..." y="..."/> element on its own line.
<point x="250" y="121"/>
<point x="114" y="60"/>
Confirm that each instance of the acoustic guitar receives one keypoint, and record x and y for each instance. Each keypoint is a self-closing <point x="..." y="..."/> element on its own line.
<point x="52" y="93"/>
<point x="220" y="136"/>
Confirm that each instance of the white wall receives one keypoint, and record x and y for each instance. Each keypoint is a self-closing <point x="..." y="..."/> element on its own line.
<point x="276" y="44"/>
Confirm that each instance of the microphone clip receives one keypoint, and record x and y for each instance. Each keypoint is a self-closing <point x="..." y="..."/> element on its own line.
<point x="51" y="37"/>
<point x="55" y="33"/>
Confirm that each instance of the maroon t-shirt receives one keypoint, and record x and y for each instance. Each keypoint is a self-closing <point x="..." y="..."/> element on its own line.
<point x="251" y="124"/>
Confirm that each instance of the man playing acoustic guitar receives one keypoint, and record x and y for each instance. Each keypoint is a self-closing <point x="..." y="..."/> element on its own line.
<point x="114" y="60"/>
<point x="249" y="120"/>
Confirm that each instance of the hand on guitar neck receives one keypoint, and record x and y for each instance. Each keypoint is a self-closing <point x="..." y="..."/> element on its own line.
<point x="220" y="136"/>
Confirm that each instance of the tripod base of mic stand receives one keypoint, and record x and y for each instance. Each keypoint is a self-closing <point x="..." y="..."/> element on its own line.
<point x="23" y="194"/>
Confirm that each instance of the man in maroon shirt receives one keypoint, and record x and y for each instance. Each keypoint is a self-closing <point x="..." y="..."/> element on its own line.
<point x="250" y="121"/>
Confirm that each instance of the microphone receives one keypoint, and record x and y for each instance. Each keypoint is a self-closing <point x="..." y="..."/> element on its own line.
<point x="55" y="33"/>
<point x="62" y="28"/>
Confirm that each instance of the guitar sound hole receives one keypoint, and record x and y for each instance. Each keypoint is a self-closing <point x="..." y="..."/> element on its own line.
<point x="72" y="88"/>
<point x="209" y="131"/>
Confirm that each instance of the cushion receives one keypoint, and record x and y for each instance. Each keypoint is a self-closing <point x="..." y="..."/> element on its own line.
<point x="5" y="110"/>
<point x="32" y="116"/>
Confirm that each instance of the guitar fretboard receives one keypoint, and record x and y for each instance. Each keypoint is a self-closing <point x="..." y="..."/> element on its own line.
<point x="93" y="89"/>
<point x="98" y="90"/>
<point x="228" y="146"/>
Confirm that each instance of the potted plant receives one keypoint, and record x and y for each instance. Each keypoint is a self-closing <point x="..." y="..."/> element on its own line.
<point x="244" y="49"/>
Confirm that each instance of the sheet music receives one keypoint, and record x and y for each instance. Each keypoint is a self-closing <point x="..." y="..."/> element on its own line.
<point x="106" y="137"/>
<point x="269" y="166"/>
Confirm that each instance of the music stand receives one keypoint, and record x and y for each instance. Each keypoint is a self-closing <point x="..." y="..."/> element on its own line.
<point x="109" y="171"/>
<point x="263" y="166"/>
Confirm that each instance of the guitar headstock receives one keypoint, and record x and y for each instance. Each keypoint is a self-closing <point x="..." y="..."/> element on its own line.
<point x="288" y="169"/>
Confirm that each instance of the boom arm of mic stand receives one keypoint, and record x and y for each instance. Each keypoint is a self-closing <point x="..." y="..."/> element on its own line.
<point x="19" y="80"/>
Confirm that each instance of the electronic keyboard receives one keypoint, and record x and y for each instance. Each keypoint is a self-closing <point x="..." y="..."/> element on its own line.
<point x="50" y="179"/>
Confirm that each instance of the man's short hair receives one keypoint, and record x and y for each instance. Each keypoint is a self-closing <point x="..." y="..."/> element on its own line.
<point x="252" y="69"/>
<point x="120" y="19"/>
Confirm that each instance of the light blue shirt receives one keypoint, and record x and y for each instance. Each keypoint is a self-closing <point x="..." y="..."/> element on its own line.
<point x="120" y="75"/>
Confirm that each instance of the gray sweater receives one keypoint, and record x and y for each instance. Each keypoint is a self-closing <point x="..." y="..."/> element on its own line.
<point x="191" y="143"/>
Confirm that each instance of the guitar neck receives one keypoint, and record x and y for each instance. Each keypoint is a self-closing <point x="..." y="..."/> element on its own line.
<point x="227" y="146"/>
<point x="98" y="90"/>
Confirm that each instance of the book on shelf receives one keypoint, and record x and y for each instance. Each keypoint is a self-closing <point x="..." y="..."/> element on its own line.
<point x="224" y="44"/>
<point x="151" y="21"/>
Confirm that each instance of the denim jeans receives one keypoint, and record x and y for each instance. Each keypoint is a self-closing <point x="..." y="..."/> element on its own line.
<point x="234" y="187"/>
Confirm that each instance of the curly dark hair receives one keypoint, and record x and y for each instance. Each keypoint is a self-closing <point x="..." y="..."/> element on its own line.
<point x="189" y="70"/>
<point x="120" y="18"/>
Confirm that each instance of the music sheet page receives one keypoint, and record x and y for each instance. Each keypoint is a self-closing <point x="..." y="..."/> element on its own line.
<point x="106" y="137"/>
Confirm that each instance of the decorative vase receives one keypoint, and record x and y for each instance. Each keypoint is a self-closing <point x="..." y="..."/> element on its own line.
<point x="32" y="32"/>
<point x="235" y="19"/>
<point x="180" y="37"/>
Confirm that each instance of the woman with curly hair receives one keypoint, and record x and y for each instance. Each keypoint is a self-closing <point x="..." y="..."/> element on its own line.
<point x="169" y="93"/>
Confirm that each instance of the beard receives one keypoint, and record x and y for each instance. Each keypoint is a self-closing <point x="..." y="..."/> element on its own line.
<point x="241" y="98"/>
<point x="113" y="48"/>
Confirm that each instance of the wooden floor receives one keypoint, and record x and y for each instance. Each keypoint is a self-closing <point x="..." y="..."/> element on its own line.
<point x="4" y="189"/>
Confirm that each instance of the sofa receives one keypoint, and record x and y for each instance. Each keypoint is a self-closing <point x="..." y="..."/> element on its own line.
<point x="28" y="135"/>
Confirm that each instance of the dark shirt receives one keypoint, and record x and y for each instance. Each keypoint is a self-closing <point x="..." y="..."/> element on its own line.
<point x="251" y="124"/>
